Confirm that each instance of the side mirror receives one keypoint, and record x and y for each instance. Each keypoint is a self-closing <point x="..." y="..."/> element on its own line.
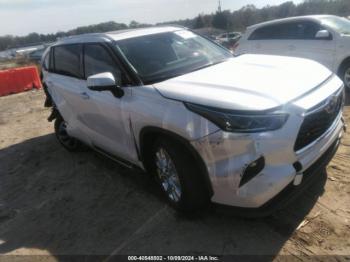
<point x="323" y="34"/>
<point x="104" y="82"/>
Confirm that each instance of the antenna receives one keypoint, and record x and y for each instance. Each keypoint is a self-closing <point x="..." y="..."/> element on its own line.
<point x="219" y="7"/>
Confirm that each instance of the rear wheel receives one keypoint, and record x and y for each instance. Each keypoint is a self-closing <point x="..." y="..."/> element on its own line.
<point x="345" y="75"/>
<point x="178" y="176"/>
<point x="68" y="142"/>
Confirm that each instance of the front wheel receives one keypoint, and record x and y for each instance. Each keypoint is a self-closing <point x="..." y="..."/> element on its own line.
<point x="68" y="142"/>
<point x="178" y="176"/>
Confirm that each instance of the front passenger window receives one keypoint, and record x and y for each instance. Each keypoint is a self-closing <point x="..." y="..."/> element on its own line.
<point x="308" y="30"/>
<point x="98" y="60"/>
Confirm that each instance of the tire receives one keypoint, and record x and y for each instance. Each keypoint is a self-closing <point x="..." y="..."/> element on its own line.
<point x="344" y="74"/>
<point x="194" y="195"/>
<point x="69" y="143"/>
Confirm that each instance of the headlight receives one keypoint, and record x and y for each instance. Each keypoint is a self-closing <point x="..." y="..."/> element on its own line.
<point x="232" y="121"/>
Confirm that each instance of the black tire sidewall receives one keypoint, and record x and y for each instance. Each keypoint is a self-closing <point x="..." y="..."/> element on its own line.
<point x="342" y="72"/>
<point x="194" y="195"/>
<point x="77" y="146"/>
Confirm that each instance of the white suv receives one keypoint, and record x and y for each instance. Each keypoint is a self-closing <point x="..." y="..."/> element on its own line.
<point x="210" y="127"/>
<point x="323" y="38"/>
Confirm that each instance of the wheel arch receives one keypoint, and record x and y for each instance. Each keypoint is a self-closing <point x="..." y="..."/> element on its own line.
<point x="148" y="136"/>
<point x="343" y="63"/>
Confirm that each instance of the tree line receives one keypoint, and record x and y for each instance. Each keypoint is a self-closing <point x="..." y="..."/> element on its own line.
<point x="249" y="15"/>
<point x="10" y="41"/>
<point x="226" y="20"/>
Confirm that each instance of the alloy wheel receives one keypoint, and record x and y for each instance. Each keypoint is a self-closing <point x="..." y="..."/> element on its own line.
<point x="168" y="175"/>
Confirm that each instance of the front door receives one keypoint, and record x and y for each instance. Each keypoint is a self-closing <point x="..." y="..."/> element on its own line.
<point x="270" y="40"/>
<point x="108" y="122"/>
<point x="308" y="46"/>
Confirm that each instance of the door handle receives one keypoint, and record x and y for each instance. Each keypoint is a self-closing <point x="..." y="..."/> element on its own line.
<point x="84" y="95"/>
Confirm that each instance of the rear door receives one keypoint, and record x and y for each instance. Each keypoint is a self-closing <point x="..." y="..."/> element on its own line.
<point x="68" y="88"/>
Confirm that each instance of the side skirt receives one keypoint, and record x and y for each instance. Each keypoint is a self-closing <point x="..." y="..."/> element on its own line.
<point x="117" y="159"/>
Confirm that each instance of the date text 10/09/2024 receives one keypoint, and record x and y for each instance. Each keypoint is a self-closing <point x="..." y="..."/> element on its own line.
<point x="173" y="258"/>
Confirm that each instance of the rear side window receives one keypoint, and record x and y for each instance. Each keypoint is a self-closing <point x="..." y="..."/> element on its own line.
<point x="98" y="60"/>
<point x="67" y="60"/>
<point x="303" y="30"/>
<point x="280" y="31"/>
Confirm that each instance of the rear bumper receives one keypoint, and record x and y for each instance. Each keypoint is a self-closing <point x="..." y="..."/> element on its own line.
<point x="289" y="193"/>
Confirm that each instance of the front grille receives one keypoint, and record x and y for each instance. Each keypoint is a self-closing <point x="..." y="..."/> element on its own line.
<point x="318" y="120"/>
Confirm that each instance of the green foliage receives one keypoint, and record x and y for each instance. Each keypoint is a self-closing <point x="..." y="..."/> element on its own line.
<point x="103" y="27"/>
<point x="249" y="14"/>
<point x="199" y="22"/>
<point x="221" y="20"/>
<point x="34" y="38"/>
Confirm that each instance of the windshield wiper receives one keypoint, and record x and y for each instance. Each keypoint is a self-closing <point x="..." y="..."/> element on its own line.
<point x="164" y="77"/>
<point x="208" y="65"/>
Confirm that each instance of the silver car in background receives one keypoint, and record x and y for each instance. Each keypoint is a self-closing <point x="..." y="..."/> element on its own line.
<point x="323" y="38"/>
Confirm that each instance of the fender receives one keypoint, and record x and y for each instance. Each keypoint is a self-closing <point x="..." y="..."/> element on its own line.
<point x="157" y="131"/>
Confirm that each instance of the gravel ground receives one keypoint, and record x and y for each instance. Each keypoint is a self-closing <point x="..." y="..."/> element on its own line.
<point x="54" y="203"/>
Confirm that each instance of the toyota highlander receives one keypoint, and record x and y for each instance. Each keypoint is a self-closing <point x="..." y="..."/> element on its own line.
<point x="236" y="131"/>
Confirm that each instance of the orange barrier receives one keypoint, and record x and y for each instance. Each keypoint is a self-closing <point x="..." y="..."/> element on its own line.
<point x="17" y="80"/>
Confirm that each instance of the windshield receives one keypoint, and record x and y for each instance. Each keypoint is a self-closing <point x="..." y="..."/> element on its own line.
<point x="162" y="56"/>
<point x="341" y="25"/>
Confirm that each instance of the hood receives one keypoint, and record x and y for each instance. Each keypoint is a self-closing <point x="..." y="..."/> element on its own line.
<point x="247" y="82"/>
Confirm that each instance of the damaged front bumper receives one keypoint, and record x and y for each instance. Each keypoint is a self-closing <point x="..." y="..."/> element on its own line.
<point x="228" y="156"/>
<point x="290" y="192"/>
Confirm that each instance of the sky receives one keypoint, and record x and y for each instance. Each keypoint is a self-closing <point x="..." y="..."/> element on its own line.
<point x="20" y="17"/>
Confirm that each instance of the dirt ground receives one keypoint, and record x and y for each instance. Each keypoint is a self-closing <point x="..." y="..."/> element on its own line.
<point x="54" y="203"/>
